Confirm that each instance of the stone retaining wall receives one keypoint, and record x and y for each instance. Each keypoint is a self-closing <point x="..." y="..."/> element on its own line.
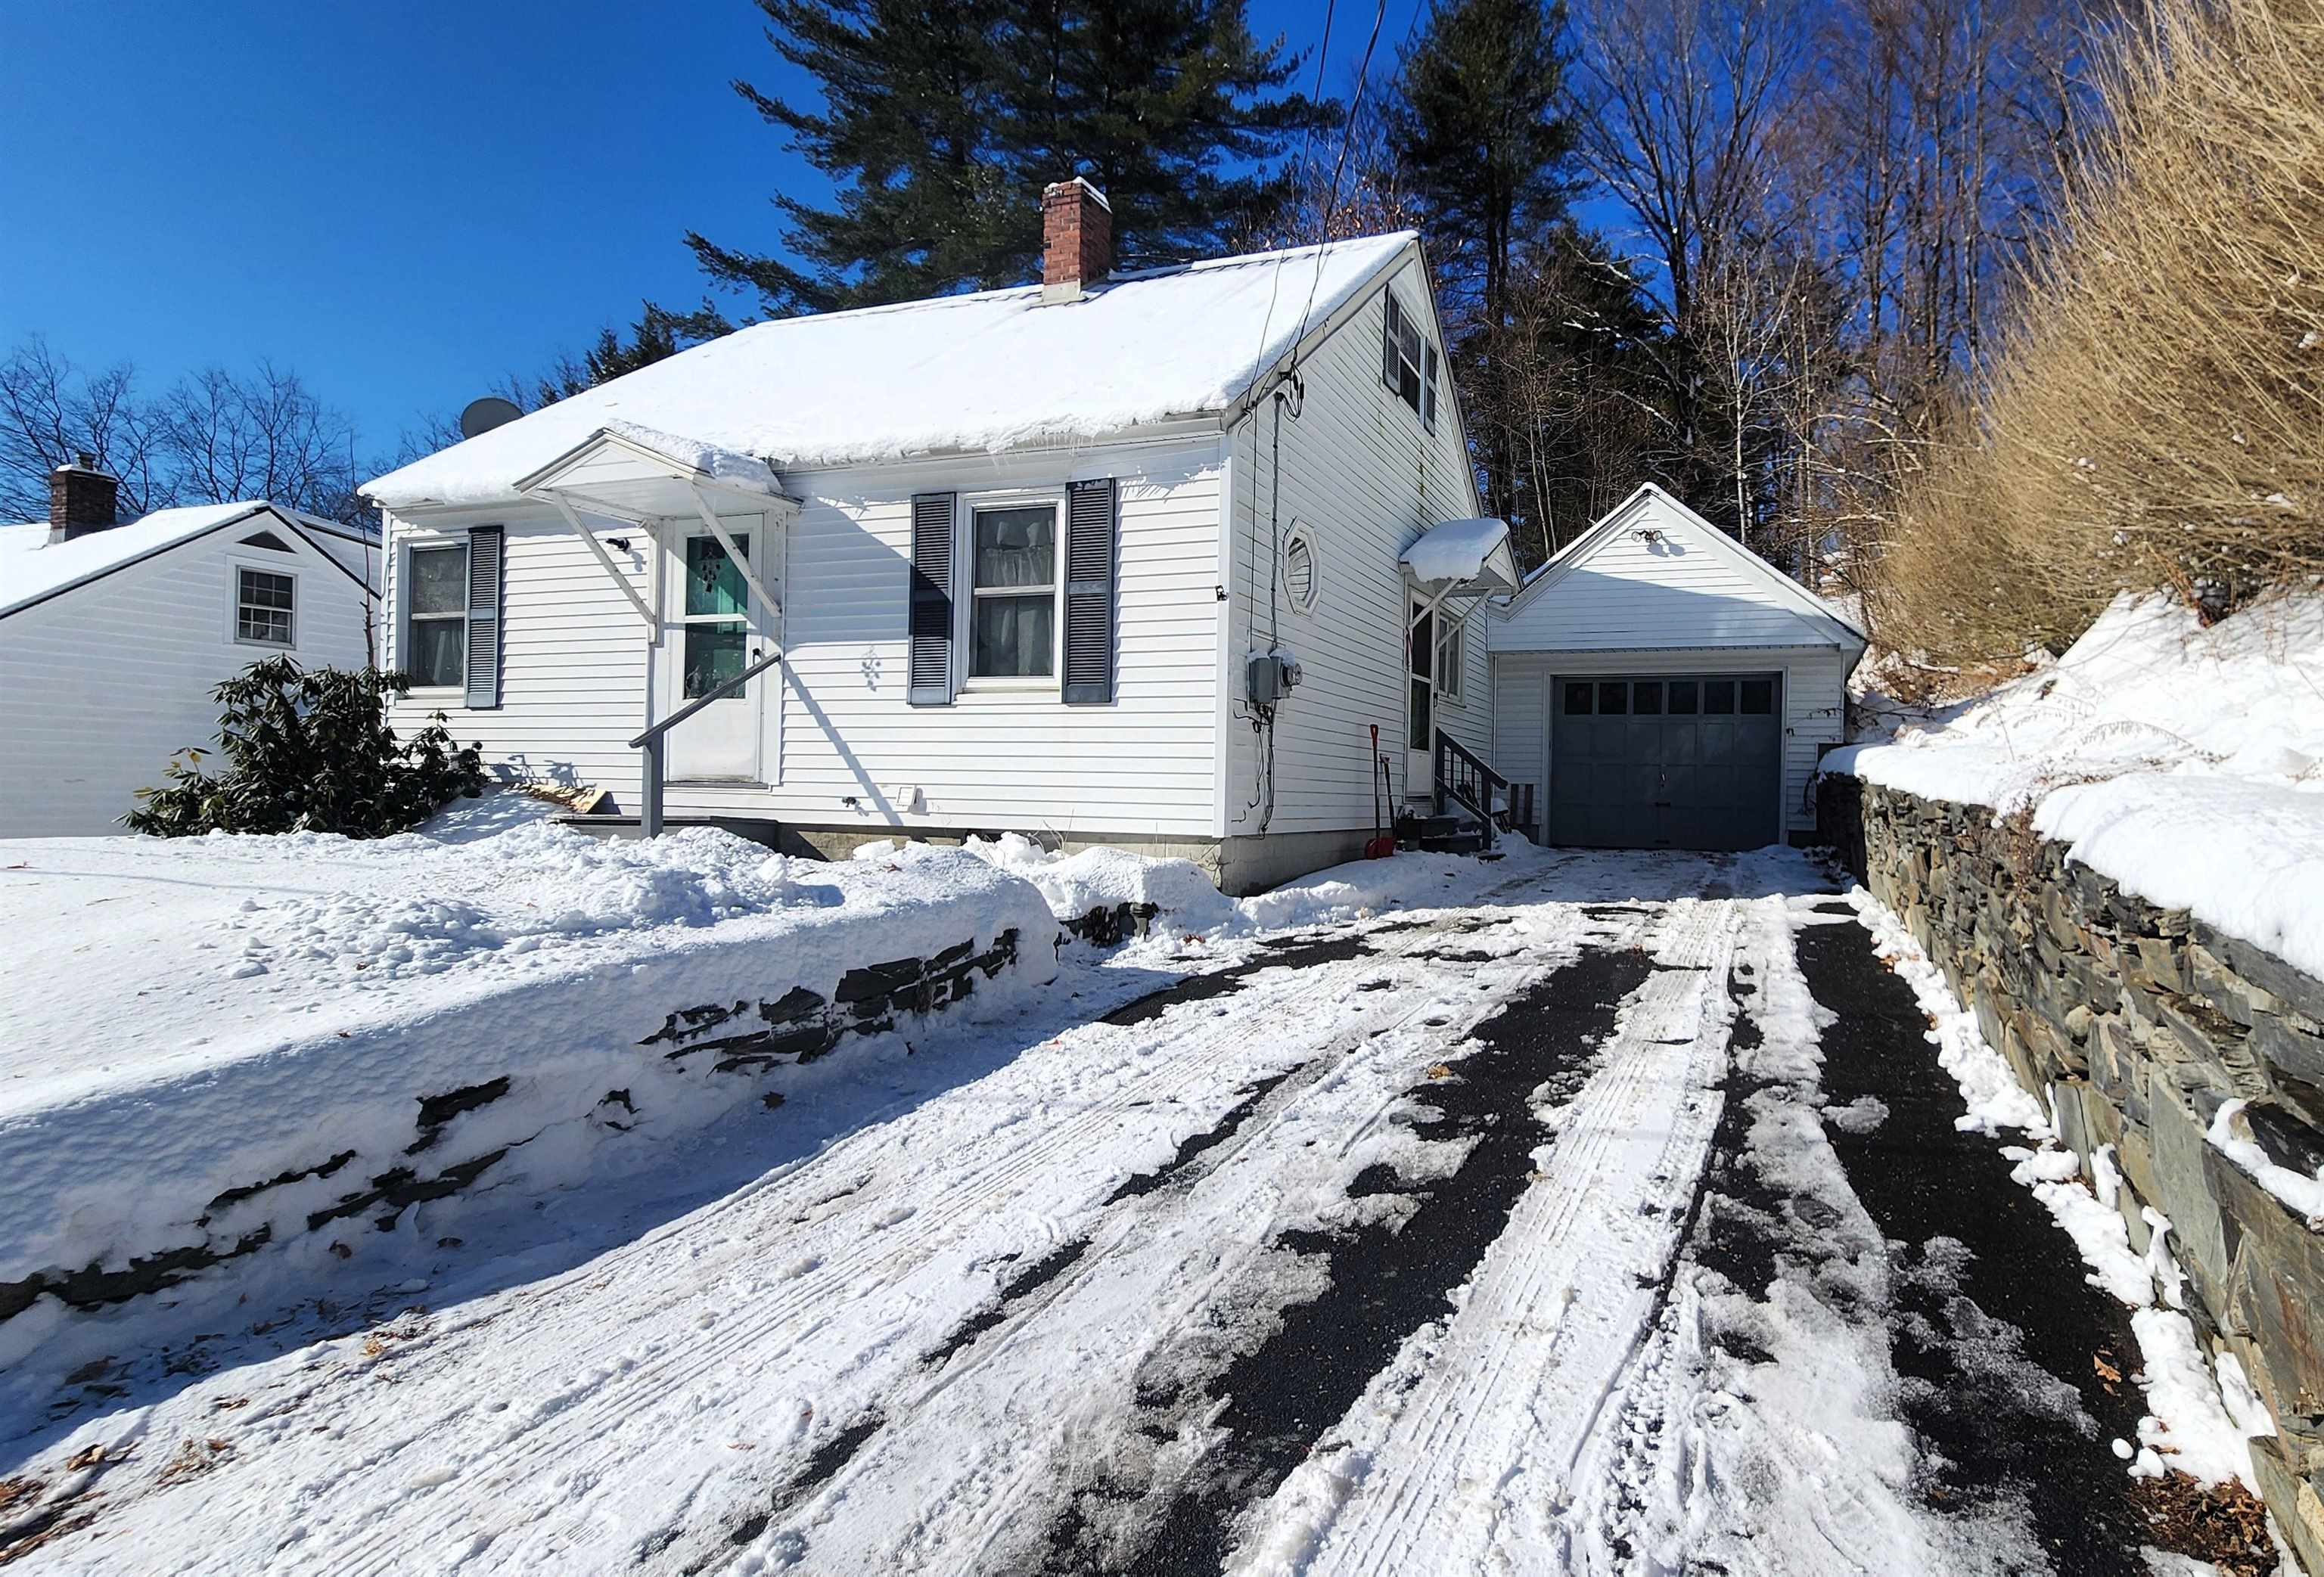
<point x="2135" y="1024"/>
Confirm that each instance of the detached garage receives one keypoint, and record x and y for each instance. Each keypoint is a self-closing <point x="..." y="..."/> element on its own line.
<point x="1665" y="687"/>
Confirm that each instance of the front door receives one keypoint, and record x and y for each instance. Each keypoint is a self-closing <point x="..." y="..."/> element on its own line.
<point x="716" y="629"/>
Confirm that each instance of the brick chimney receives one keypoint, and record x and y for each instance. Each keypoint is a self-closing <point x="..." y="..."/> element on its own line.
<point x="1076" y="238"/>
<point x="81" y="499"/>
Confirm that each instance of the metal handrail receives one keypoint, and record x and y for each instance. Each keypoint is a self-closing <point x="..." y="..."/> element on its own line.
<point x="717" y="693"/>
<point x="650" y="741"/>
<point x="1451" y="783"/>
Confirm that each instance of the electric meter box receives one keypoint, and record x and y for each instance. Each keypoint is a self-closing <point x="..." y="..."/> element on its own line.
<point x="1272" y="675"/>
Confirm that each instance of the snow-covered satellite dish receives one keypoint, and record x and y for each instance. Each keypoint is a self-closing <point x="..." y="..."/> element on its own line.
<point x="482" y="416"/>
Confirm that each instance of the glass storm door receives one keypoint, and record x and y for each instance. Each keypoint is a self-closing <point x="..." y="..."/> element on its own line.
<point x="1420" y="718"/>
<point x="714" y="634"/>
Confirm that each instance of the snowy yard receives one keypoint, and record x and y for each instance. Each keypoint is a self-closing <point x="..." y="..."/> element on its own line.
<point x="1529" y="1217"/>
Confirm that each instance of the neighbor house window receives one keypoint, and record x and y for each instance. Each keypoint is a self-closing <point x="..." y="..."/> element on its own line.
<point x="1408" y="362"/>
<point x="262" y="607"/>
<point x="1013" y="612"/>
<point x="437" y="625"/>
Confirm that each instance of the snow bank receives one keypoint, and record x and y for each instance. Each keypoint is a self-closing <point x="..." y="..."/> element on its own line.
<point x="1099" y="879"/>
<point x="1363" y="888"/>
<point x="260" y="1030"/>
<point x="2181" y="761"/>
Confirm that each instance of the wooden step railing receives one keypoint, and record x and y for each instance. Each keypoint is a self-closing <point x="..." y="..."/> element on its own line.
<point x="1463" y="776"/>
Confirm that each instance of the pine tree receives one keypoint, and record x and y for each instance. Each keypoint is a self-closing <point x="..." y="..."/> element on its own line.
<point x="1476" y="128"/>
<point x="906" y="132"/>
<point x="1170" y="107"/>
<point x="939" y="123"/>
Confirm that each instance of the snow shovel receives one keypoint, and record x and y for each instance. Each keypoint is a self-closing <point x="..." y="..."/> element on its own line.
<point x="1381" y="846"/>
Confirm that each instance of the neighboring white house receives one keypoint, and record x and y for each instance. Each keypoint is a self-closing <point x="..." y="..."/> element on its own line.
<point x="1669" y="687"/>
<point x="1018" y="550"/>
<point x="113" y="636"/>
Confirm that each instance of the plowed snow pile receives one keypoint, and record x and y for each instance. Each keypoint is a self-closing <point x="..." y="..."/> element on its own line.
<point x="2185" y="763"/>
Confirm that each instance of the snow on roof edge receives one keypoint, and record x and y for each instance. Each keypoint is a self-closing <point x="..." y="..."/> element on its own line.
<point x="1155" y="376"/>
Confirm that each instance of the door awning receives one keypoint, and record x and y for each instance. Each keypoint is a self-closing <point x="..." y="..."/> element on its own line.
<point x="638" y="475"/>
<point x="1463" y="558"/>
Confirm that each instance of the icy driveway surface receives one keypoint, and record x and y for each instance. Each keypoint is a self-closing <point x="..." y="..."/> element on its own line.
<point x="1165" y="1290"/>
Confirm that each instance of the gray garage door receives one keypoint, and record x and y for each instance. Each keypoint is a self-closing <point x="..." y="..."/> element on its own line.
<point x="1667" y="761"/>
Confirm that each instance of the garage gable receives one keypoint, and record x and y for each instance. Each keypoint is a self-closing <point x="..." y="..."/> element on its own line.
<point x="1654" y="575"/>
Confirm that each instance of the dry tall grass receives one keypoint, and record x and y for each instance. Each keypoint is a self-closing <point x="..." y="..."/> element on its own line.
<point x="2155" y="417"/>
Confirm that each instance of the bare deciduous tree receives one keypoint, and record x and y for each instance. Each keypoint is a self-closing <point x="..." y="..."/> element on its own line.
<point x="50" y="411"/>
<point x="213" y="438"/>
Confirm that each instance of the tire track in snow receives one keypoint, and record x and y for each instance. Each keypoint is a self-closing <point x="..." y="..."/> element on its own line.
<point x="584" y="1423"/>
<point x="886" y="1513"/>
<point x="574" y="1444"/>
<point x="1472" y="1445"/>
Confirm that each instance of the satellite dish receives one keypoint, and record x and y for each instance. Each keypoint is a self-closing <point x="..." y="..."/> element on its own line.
<point x="481" y="416"/>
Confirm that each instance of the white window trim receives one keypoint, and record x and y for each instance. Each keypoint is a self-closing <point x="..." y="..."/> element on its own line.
<point x="234" y="565"/>
<point x="404" y="617"/>
<point x="1301" y="535"/>
<point x="1456" y="635"/>
<point x="966" y="682"/>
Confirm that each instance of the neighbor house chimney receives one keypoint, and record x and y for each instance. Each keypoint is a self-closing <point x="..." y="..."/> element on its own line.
<point x="1076" y="238"/>
<point x="81" y="499"/>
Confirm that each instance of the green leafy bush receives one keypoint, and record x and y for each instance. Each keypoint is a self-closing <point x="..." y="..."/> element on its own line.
<point x="311" y="751"/>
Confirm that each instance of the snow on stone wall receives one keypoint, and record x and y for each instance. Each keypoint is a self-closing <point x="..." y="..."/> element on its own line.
<point x="2184" y="1067"/>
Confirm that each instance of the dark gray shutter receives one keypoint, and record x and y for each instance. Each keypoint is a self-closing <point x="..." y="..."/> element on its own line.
<point x="1390" y="372"/>
<point x="929" y="683"/>
<point x="484" y="603"/>
<point x="1089" y="593"/>
<point x="1428" y="390"/>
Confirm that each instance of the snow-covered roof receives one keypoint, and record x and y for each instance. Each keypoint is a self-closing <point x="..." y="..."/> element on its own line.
<point x="724" y="464"/>
<point x="1461" y="550"/>
<point x="32" y="568"/>
<point x="984" y="371"/>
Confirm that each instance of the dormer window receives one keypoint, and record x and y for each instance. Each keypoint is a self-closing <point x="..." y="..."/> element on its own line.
<point x="1408" y="362"/>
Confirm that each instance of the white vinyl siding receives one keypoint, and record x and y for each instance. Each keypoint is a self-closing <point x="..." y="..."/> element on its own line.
<point x="104" y="682"/>
<point x="1366" y="479"/>
<point x="574" y="670"/>
<point x="573" y="652"/>
<point x="1680" y="589"/>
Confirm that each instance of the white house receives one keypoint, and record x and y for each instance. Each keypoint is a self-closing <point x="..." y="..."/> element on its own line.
<point x="1017" y="551"/>
<point x="1140" y="558"/>
<point x="1670" y="687"/>
<point x="113" y="636"/>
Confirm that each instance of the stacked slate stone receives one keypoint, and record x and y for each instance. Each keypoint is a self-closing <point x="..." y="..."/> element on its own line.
<point x="2135" y="1024"/>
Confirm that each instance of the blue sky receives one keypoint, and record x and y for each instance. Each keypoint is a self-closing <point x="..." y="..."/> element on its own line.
<point x="404" y="201"/>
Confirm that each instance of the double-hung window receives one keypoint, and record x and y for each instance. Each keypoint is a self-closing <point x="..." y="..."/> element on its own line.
<point x="1013" y="599"/>
<point x="1448" y="654"/>
<point x="436" y="627"/>
<point x="262" y="607"/>
<point x="1408" y="362"/>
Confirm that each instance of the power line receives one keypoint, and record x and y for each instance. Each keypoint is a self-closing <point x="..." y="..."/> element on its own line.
<point x="1331" y="201"/>
<point x="1306" y="141"/>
